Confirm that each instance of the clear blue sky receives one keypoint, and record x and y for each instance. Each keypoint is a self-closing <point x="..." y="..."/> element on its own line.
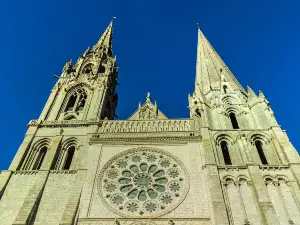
<point x="155" y="43"/>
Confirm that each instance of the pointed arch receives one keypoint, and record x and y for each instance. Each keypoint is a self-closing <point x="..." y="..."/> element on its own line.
<point x="75" y="100"/>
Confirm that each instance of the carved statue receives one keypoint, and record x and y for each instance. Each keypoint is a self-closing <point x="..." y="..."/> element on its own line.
<point x="197" y="119"/>
<point x="148" y="98"/>
<point x="68" y="67"/>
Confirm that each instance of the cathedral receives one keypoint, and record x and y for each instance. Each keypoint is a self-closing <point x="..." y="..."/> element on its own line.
<point x="229" y="163"/>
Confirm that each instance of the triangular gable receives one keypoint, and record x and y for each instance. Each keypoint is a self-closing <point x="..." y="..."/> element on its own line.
<point x="148" y="111"/>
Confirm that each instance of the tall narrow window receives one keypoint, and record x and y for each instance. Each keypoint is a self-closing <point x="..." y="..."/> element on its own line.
<point x="234" y="121"/>
<point x="70" y="154"/>
<point x="225" y="152"/>
<point x="40" y="158"/>
<point x="71" y="102"/>
<point x="225" y="89"/>
<point x="261" y="153"/>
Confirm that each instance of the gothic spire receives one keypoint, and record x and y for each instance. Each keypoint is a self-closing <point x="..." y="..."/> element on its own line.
<point x="211" y="71"/>
<point x="105" y="41"/>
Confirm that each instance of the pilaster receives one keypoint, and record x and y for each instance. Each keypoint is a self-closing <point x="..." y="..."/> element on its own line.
<point x="30" y="205"/>
<point x="51" y="153"/>
<point x="73" y="202"/>
<point x="95" y="152"/>
<point x="217" y="198"/>
<point x="4" y="179"/>
<point x="266" y="207"/>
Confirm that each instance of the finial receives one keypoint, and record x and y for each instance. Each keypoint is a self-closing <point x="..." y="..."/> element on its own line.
<point x="113" y="19"/>
<point x="148" y="98"/>
<point x="155" y="104"/>
<point x="198" y="26"/>
<point x="140" y="105"/>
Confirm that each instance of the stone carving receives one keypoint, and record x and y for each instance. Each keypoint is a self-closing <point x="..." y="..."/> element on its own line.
<point x="68" y="67"/>
<point x="116" y="126"/>
<point x="143" y="182"/>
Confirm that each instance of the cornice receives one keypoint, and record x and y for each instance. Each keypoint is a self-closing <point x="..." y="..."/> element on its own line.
<point x="146" y="136"/>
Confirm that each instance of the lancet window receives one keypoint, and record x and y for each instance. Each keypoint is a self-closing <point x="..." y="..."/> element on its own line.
<point x="225" y="88"/>
<point x="40" y="158"/>
<point x="260" y="152"/>
<point x="234" y="121"/>
<point x="225" y="152"/>
<point x="76" y="101"/>
<point x="69" y="157"/>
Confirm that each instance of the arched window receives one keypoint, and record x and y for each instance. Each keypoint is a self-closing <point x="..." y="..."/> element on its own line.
<point x="71" y="102"/>
<point x="40" y="158"/>
<point x="76" y="101"/>
<point x="260" y="152"/>
<point x="88" y="68"/>
<point x="69" y="157"/>
<point x="234" y="121"/>
<point x="225" y="153"/>
<point x="225" y="89"/>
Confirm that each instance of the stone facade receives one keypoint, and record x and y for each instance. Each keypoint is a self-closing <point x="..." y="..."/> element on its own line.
<point x="229" y="163"/>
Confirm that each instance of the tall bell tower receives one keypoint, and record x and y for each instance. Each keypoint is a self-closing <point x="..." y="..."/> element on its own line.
<point x="229" y="163"/>
<point x="44" y="181"/>
<point x="86" y="90"/>
<point x="249" y="159"/>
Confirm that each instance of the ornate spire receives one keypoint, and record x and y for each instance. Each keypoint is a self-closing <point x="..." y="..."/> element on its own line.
<point x="105" y="40"/>
<point x="148" y="97"/>
<point x="210" y="68"/>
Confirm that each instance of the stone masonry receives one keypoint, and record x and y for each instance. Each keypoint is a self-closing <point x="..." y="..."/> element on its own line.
<point x="229" y="163"/>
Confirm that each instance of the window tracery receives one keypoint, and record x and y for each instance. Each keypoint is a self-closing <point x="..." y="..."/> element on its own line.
<point x="143" y="182"/>
<point x="76" y="100"/>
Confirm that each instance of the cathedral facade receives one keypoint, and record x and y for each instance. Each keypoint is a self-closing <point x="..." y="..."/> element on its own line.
<point x="229" y="163"/>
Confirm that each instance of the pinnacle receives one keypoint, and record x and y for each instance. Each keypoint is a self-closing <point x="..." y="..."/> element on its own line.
<point x="106" y="38"/>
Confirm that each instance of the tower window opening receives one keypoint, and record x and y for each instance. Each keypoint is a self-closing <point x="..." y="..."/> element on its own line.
<point x="70" y="154"/>
<point x="261" y="153"/>
<point x="81" y="101"/>
<point x="101" y="69"/>
<point x="76" y="101"/>
<point x="225" y="88"/>
<point x="225" y="152"/>
<point x="71" y="103"/>
<point x="40" y="158"/>
<point x="234" y="121"/>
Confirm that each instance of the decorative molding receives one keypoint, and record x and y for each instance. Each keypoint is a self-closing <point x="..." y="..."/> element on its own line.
<point x="154" y="136"/>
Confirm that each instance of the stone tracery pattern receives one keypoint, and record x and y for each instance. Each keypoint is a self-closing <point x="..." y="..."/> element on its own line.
<point x="143" y="182"/>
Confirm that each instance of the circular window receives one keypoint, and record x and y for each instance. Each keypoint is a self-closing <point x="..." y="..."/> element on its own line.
<point x="143" y="182"/>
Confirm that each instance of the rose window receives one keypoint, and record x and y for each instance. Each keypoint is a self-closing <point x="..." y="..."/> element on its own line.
<point x="143" y="182"/>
